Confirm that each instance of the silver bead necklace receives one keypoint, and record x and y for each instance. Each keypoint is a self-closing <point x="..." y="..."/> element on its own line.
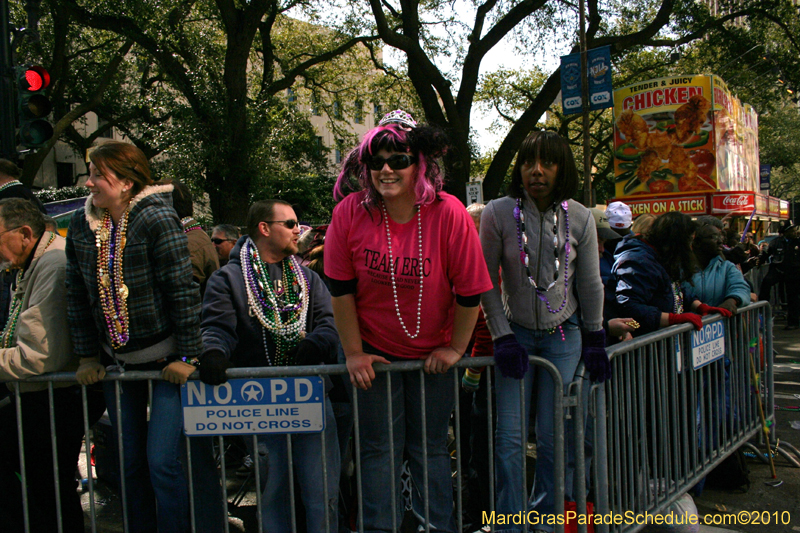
<point x="392" y="267"/>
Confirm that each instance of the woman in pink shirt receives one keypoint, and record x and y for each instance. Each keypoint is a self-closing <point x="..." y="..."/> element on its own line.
<point x="406" y="273"/>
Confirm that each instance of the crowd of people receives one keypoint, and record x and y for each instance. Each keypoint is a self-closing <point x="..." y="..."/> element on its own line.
<point x="402" y="272"/>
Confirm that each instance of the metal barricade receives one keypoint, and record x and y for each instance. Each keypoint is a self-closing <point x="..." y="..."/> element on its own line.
<point x="393" y="369"/>
<point x="667" y="418"/>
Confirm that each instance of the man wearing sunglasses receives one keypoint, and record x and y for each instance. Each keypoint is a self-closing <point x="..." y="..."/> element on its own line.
<point x="264" y="309"/>
<point x="223" y="237"/>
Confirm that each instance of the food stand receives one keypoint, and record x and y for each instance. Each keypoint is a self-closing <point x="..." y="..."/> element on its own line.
<point x="686" y="143"/>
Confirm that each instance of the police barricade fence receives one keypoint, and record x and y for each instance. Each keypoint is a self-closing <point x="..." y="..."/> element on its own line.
<point x="560" y="403"/>
<point x="679" y="402"/>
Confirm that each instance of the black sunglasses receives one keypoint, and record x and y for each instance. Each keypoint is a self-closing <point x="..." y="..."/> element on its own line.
<point x="290" y="224"/>
<point x="217" y="240"/>
<point x="395" y="162"/>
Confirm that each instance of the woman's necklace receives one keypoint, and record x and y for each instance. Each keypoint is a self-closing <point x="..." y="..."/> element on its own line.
<point x="7" y="337"/>
<point x="190" y="224"/>
<point x="392" y="268"/>
<point x="524" y="254"/>
<point x="678" y="294"/>
<point x="110" y="240"/>
<point x="282" y="313"/>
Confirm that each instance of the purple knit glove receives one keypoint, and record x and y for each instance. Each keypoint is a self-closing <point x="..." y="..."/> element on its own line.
<point x="595" y="357"/>
<point x="510" y="357"/>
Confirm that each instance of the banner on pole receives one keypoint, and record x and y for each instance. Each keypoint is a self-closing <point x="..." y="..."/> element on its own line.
<point x="599" y="76"/>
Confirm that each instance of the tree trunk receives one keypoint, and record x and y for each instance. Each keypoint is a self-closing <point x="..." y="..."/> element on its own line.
<point x="231" y="199"/>
<point x="457" y="167"/>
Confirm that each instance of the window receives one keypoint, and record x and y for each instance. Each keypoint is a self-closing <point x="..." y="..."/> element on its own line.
<point x="107" y="133"/>
<point x="318" y="144"/>
<point x="337" y="110"/>
<point x="65" y="174"/>
<point x="358" y="115"/>
<point x="377" y="112"/>
<point x="337" y="156"/>
<point x="290" y="96"/>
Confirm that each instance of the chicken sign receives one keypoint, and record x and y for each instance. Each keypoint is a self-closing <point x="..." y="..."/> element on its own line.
<point x="679" y="135"/>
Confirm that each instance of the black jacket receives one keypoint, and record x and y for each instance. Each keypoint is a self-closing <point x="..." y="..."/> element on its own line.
<point x="228" y="326"/>
<point x="639" y="286"/>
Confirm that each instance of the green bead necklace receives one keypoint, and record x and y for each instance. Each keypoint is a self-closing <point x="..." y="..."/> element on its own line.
<point x="7" y="338"/>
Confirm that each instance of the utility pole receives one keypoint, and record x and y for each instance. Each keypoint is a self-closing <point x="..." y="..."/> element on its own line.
<point x="587" y="156"/>
<point x="8" y="148"/>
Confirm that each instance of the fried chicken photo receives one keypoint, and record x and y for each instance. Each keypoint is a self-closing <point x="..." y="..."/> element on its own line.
<point x="690" y="117"/>
<point x="634" y="128"/>
<point x="661" y="142"/>
<point x="651" y="162"/>
<point x="679" y="163"/>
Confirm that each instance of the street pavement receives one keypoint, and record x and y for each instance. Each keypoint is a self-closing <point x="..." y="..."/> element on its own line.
<point x="764" y="499"/>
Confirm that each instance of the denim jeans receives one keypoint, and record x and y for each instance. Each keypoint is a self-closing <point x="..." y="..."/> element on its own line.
<point x="565" y="355"/>
<point x="307" y="466"/>
<point x="376" y="462"/>
<point x="154" y="465"/>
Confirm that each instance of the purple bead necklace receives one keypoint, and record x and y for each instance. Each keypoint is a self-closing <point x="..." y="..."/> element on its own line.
<point x="524" y="254"/>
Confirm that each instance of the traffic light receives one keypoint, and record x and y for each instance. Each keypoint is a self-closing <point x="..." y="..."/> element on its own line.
<point x="33" y="106"/>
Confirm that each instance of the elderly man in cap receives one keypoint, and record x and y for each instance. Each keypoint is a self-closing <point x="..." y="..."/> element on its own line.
<point x="36" y="340"/>
<point x="620" y="218"/>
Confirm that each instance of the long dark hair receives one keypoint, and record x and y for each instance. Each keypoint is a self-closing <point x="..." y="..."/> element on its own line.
<point x="671" y="235"/>
<point x="551" y="147"/>
<point x="425" y="143"/>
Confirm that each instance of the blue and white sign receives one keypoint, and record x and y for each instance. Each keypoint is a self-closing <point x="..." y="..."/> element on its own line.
<point x="601" y="89"/>
<point x="765" y="171"/>
<point x="571" y="84"/>
<point x="708" y="344"/>
<point x="254" y="405"/>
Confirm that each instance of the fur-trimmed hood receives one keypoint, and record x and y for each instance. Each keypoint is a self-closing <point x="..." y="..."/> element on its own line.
<point x="156" y="193"/>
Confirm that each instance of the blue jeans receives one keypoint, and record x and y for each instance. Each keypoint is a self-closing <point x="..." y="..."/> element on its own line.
<point x="376" y="463"/>
<point x="307" y="466"/>
<point x="565" y="355"/>
<point x="154" y="466"/>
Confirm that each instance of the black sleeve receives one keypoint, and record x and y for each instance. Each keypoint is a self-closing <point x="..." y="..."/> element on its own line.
<point x="468" y="301"/>
<point x="340" y="288"/>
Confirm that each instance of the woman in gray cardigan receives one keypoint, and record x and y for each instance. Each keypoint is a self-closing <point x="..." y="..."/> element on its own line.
<point x="545" y="245"/>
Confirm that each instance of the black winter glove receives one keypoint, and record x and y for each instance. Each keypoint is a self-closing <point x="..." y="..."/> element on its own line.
<point x="308" y="354"/>
<point x="212" y="368"/>
<point x="595" y="357"/>
<point x="510" y="357"/>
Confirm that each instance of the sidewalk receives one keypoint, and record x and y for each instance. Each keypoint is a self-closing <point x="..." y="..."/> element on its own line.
<point x="760" y="497"/>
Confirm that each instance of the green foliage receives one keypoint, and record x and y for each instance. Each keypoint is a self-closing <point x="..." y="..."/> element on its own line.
<point x="201" y="87"/>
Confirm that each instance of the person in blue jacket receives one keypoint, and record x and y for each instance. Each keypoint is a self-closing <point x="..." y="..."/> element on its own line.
<point x="264" y="309"/>
<point x="647" y="281"/>
<point x="718" y="283"/>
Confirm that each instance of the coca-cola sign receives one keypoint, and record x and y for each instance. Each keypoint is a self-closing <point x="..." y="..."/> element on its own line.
<point x="741" y="200"/>
<point x="737" y="203"/>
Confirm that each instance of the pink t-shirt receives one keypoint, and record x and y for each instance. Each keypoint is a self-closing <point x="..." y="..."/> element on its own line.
<point x="452" y="263"/>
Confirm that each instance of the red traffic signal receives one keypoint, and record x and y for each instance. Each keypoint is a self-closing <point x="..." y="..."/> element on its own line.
<point x="33" y="106"/>
<point x="34" y="79"/>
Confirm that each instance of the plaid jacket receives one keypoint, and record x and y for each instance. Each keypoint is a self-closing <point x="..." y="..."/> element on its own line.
<point x="163" y="298"/>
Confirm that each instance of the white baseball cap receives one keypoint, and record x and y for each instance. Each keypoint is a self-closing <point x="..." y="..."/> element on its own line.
<point x="604" y="231"/>
<point x="619" y="216"/>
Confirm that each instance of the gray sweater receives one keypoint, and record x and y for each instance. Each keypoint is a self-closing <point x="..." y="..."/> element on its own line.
<point x="518" y="301"/>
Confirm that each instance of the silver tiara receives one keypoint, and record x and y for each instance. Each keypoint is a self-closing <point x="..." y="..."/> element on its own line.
<point x="398" y="116"/>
